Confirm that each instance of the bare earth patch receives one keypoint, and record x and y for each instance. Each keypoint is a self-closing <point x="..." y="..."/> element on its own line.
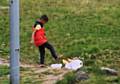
<point x="46" y="75"/>
<point x="4" y="7"/>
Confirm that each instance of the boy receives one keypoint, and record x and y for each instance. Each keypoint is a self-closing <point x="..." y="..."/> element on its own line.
<point x="40" y="40"/>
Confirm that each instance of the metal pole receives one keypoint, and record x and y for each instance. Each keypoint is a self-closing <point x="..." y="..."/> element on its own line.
<point x="14" y="42"/>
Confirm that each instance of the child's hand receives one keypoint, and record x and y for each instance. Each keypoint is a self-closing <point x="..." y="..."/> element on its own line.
<point x="31" y="41"/>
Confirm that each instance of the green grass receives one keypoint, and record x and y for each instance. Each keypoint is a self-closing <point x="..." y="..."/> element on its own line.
<point x="4" y="72"/>
<point x="69" y="79"/>
<point x="78" y="28"/>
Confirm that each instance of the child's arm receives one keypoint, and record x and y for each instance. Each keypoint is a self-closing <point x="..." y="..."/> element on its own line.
<point x="35" y="29"/>
<point x="32" y="38"/>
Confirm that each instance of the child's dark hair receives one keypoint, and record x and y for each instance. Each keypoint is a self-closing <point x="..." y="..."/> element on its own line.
<point x="44" y="17"/>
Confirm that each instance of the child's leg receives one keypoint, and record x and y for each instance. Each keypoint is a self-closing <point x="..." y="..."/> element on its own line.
<point x="52" y="50"/>
<point x="42" y="54"/>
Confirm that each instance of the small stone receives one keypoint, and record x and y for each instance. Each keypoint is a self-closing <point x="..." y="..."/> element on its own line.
<point x="109" y="71"/>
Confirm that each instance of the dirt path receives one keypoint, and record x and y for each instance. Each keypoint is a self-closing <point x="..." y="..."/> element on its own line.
<point x="4" y="7"/>
<point x="49" y="75"/>
<point x="52" y="79"/>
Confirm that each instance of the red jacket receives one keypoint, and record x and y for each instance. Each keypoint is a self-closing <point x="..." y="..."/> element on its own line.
<point x="40" y="37"/>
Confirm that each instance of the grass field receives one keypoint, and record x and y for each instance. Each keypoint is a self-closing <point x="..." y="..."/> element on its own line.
<point x="89" y="29"/>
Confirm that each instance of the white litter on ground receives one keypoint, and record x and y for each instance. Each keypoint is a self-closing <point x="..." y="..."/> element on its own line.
<point x="56" y="66"/>
<point x="74" y="64"/>
<point x="71" y="64"/>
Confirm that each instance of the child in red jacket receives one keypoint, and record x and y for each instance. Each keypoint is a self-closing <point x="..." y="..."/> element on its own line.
<point x="40" y="40"/>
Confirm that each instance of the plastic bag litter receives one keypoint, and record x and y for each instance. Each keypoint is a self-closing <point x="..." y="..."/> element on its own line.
<point x="74" y="64"/>
<point x="56" y="66"/>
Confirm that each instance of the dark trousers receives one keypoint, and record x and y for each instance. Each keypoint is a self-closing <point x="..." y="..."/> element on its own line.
<point x="42" y="51"/>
